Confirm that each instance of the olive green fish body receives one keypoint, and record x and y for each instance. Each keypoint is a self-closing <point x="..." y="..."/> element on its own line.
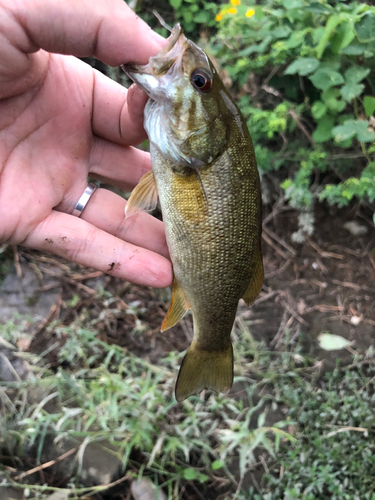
<point x="205" y="171"/>
<point x="213" y="254"/>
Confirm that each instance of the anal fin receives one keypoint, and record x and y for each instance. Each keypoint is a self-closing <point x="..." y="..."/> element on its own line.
<point x="256" y="281"/>
<point x="144" y="196"/>
<point x="177" y="308"/>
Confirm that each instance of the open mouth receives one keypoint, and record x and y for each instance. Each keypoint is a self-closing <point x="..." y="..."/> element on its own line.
<point x="160" y="64"/>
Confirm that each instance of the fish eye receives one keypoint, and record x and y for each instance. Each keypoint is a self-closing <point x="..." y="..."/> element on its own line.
<point x="201" y="80"/>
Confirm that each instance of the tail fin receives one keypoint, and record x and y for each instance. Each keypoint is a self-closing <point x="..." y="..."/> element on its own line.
<point x="204" y="370"/>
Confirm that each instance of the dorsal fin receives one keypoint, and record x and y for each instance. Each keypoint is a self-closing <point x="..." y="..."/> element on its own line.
<point x="177" y="308"/>
<point x="144" y="196"/>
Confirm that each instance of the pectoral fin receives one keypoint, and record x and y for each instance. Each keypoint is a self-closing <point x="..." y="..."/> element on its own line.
<point x="204" y="370"/>
<point x="177" y="308"/>
<point x="144" y="196"/>
<point x="256" y="281"/>
<point x="189" y="197"/>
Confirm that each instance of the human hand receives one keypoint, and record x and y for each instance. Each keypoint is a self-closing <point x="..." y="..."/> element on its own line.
<point x="60" y="121"/>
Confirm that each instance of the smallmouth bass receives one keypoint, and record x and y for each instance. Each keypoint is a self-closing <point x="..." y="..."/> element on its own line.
<point x="204" y="172"/>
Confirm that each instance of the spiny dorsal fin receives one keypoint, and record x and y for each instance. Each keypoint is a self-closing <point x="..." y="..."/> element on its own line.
<point x="144" y="196"/>
<point x="204" y="370"/>
<point x="177" y="308"/>
<point x="256" y="281"/>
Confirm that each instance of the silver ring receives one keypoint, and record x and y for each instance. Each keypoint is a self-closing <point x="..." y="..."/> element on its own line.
<point x="82" y="202"/>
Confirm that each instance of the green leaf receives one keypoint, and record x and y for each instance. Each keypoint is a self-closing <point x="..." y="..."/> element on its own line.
<point x="331" y="342"/>
<point x="332" y="22"/>
<point x="323" y="131"/>
<point x="318" y="110"/>
<point x="190" y="474"/>
<point x="303" y="66"/>
<point x="353" y="50"/>
<point x="364" y="133"/>
<point x="217" y="464"/>
<point x="317" y="34"/>
<point x="176" y="4"/>
<point x="369" y="105"/>
<point x="202" y="478"/>
<point x="281" y="32"/>
<point x="351" y="128"/>
<point x="202" y="17"/>
<point x="324" y="78"/>
<point x="344" y="132"/>
<point x="356" y="74"/>
<point x="352" y="90"/>
<point x="329" y="97"/>
<point x="343" y="36"/>
<point x="365" y="29"/>
<point x="293" y="4"/>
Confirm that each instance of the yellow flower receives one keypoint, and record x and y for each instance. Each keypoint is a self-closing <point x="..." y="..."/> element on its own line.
<point x="232" y="11"/>
<point x="221" y="14"/>
<point x="250" y="12"/>
<point x="235" y="2"/>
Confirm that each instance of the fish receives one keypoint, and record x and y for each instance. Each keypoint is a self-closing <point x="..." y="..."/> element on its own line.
<point x="205" y="175"/>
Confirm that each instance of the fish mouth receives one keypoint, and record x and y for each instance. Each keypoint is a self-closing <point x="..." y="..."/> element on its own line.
<point x="149" y="76"/>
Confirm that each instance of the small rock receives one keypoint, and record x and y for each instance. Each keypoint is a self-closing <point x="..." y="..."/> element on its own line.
<point x="355" y="320"/>
<point x="355" y="228"/>
<point x="99" y="466"/>
<point x="11" y="493"/>
<point x="144" y="489"/>
<point x="22" y="296"/>
<point x="12" y="367"/>
<point x="59" y="495"/>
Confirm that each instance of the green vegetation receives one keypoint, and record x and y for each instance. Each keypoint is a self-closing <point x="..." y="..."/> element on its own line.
<point x="334" y="453"/>
<point x="303" y="73"/>
<point x="106" y="394"/>
<point x="103" y="394"/>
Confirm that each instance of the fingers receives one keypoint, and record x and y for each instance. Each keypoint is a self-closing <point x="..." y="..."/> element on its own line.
<point x="107" y="29"/>
<point x="81" y="242"/>
<point x="105" y="210"/>
<point x="118" y="165"/>
<point x="117" y="112"/>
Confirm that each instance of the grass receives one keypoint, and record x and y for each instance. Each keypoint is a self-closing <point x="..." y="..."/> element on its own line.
<point x="321" y="446"/>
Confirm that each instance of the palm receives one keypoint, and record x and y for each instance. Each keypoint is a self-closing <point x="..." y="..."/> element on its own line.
<point x="47" y="157"/>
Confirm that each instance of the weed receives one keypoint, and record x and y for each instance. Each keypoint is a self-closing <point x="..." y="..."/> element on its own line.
<point x="322" y="444"/>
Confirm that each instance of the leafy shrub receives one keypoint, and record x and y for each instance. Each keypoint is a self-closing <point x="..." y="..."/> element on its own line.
<point x="194" y="16"/>
<point x="304" y="74"/>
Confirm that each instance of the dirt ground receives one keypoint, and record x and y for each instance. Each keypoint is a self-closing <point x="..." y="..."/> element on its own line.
<point x="326" y="284"/>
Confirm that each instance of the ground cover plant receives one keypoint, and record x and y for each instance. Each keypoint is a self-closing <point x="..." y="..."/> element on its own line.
<point x="103" y="394"/>
<point x="285" y="419"/>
